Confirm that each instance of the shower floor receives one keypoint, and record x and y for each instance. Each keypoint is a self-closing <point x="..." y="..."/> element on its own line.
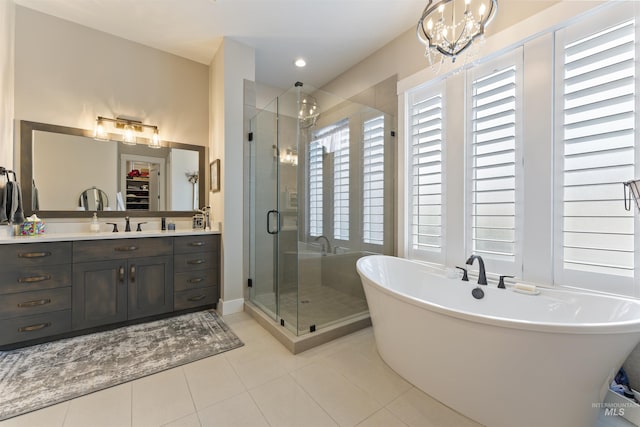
<point x="315" y="305"/>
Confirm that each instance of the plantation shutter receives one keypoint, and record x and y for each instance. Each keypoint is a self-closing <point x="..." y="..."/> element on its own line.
<point x="495" y="164"/>
<point x="373" y="181"/>
<point x="341" y="182"/>
<point x="315" y="188"/>
<point x="596" y="137"/>
<point x="425" y="136"/>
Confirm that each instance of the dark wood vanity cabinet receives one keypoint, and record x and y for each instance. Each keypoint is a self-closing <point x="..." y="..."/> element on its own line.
<point x="196" y="266"/>
<point x="35" y="291"/>
<point x="53" y="289"/>
<point x="136" y="280"/>
<point x="99" y="293"/>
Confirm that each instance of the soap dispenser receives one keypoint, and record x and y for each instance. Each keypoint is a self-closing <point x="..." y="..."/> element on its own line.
<point x="95" y="225"/>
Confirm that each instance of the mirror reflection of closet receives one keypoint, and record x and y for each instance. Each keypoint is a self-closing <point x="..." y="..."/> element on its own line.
<point x="143" y="183"/>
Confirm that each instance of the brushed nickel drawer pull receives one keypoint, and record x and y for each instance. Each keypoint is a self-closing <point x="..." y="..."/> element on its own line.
<point x="33" y="279"/>
<point x="197" y="298"/>
<point x="196" y="280"/>
<point x="197" y="243"/>
<point x="34" y="303"/>
<point x="34" y="254"/>
<point x="121" y="274"/>
<point x="32" y="328"/>
<point x="126" y="248"/>
<point x="196" y="261"/>
<point x="132" y="273"/>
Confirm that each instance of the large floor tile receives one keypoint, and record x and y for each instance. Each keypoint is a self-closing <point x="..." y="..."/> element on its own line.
<point x="238" y="411"/>
<point x="345" y="403"/>
<point x="382" y="418"/>
<point x="191" y="420"/>
<point x="161" y="398"/>
<point x="370" y="374"/>
<point x="285" y="404"/>
<point x="51" y="416"/>
<point x="417" y="409"/>
<point x="105" y="408"/>
<point x="212" y="380"/>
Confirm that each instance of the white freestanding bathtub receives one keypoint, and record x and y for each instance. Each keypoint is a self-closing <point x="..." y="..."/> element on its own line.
<point x="508" y="359"/>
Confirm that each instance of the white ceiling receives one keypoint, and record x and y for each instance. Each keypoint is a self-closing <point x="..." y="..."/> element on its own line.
<point x="332" y="35"/>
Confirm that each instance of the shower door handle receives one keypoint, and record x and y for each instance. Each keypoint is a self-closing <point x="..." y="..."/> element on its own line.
<point x="269" y="216"/>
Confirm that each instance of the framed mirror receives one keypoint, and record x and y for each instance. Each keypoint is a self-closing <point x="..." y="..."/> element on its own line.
<point x="65" y="172"/>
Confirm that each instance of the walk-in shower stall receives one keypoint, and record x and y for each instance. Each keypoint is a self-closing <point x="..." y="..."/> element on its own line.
<point x="321" y="196"/>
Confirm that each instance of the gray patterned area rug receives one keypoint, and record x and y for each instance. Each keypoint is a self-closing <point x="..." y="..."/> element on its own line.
<point x="35" y="377"/>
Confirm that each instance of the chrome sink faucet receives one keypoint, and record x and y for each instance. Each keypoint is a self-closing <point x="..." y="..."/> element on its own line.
<point x="326" y="249"/>
<point x="482" y="275"/>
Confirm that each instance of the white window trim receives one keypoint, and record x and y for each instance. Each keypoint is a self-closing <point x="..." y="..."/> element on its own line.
<point x="438" y="257"/>
<point x="515" y="57"/>
<point x="573" y="278"/>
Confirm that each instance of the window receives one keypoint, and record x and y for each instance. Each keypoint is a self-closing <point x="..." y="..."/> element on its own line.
<point x="315" y="188"/>
<point x="425" y="136"/>
<point x="373" y="181"/>
<point x="341" y="183"/>
<point x="331" y="140"/>
<point x="494" y="163"/>
<point x="595" y="151"/>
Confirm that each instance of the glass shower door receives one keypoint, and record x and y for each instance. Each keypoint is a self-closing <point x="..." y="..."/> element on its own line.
<point x="274" y="252"/>
<point x="264" y="210"/>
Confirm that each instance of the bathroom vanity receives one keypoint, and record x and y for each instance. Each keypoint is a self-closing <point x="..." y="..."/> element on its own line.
<point x="59" y="285"/>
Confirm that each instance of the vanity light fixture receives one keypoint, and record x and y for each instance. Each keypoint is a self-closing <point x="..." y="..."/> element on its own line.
<point x="129" y="129"/>
<point x="289" y="157"/>
<point x="449" y="27"/>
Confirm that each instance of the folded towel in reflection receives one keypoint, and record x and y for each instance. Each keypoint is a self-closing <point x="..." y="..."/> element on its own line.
<point x="9" y="197"/>
<point x="4" y="219"/>
<point x="35" y="198"/>
<point x="119" y="201"/>
<point x="18" y="211"/>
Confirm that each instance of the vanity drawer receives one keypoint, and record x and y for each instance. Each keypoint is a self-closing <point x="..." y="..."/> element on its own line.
<point x="35" y="302"/>
<point x="194" y="298"/>
<point x="34" y="254"/>
<point x="14" y="279"/>
<point x="99" y="250"/>
<point x="195" y="261"/>
<point x="195" y="279"/>
<point x="26" y="328"/>
<point x="198" y="243"/>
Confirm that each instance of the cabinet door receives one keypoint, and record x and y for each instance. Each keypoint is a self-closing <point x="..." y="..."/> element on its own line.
<point x="150" y="286"/>
<point x="99" y="293"/>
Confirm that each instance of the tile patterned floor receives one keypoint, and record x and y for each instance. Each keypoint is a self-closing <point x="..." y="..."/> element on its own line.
<point x="315" y="305"/>
<point x="342" y="383"/>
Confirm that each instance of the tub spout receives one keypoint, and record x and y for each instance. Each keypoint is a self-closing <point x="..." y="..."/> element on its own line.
<point x="325" y="249"/>
<point x="482" y="275"/>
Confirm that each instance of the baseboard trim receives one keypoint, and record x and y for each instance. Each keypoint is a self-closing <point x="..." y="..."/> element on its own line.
<point x="230" y="307"/>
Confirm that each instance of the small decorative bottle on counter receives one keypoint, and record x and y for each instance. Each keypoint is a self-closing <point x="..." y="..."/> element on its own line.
<point x="95" y="225"/>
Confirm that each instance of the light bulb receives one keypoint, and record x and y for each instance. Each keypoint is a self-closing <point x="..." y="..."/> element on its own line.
<point x="483" y="9"/>
<point x="100" y="132"/>
<point x="155" y="139"/>
<point x="127" y="136"/>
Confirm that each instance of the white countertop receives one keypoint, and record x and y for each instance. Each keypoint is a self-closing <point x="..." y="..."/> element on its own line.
<point x="64" y="237"/>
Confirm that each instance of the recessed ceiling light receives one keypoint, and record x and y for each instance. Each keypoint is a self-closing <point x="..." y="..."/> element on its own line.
<point x="300" y="62"/>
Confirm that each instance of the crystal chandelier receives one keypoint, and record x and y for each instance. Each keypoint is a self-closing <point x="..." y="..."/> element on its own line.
<point x="308" y="111"/>
<point x="448" y="27"/>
